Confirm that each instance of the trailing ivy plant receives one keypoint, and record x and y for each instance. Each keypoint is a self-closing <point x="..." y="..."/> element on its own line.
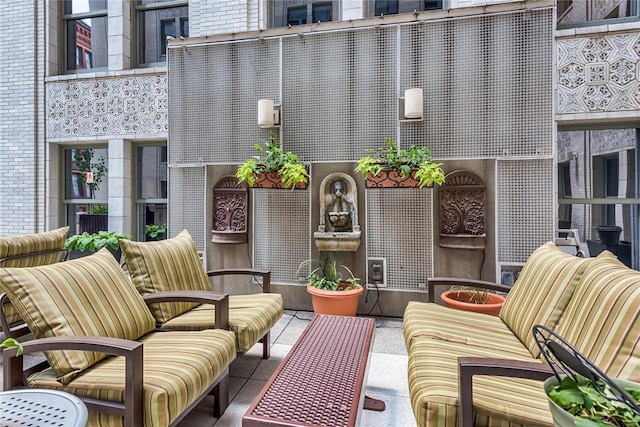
<point x="581" y="399"/>
<point x="96" y="241"/>
<point x="391" y="157"/>
<point x="274" y="159"/>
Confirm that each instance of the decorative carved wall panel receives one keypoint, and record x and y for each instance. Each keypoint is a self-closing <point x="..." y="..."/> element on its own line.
<point x="127" y="105"/>
<point x="230" y="207"/>
<point x="462" y="211"/>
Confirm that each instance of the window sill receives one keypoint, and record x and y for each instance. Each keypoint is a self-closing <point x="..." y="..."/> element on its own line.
<point x="102" y="74"/>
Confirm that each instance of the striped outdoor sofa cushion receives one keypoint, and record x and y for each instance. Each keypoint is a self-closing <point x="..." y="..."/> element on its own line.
<point x="542" y="292"/>
<point x="166" y="265"/>
<point x="442" y="323"/>
<point x="433" y="388"/>
<point x="178" y="367"/>
<point x="603" y="318"/>
<point x="30" y="243"/>
<point x="250" y="317"/>
<point x="27" y="244"/>
<point x="87" y="296"/>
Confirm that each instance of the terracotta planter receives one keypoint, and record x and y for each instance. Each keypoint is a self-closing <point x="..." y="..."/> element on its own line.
<point x="272" y="180"/>
<point x="392" y="179"/>
<point x="339" y="303"/>
<point x="492" y="306"/>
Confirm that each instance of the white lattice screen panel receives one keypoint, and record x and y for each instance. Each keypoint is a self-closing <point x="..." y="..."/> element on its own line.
<point x="214" y="91"/>
<point x="280" y="231"/>
<point x="487" y="85"/>
<point x="399" y="228"/>
<point x="187" y="207"/>
<point x="525" y="207"/>
<point x="339" y="92"/>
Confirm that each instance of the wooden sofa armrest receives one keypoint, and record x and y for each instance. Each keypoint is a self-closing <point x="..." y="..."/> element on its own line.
<point x="455" y="281"/>
<point x="132" y="351"/>
<point x="219" y="300"/>
<point x="470" y="366"/>
<point x="265" y="274"/>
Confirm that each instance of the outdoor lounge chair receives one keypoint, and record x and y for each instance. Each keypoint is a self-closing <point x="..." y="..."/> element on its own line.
<point x="28" y="250"/>
<point x="83" y="312"/>
<point x="174" y="265"/>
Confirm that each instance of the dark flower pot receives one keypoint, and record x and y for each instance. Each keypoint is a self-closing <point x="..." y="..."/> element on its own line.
<point x="609" y="234"/>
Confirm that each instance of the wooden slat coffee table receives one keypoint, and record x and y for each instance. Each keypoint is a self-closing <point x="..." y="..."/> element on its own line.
<point x="321" y="382"/>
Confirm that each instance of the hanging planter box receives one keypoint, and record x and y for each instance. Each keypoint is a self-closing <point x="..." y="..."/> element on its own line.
<point x="272" y="180"/>
<point x="392" y="179"/>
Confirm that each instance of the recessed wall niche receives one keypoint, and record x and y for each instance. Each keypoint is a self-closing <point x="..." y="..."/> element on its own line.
<point x="462" y="211"/>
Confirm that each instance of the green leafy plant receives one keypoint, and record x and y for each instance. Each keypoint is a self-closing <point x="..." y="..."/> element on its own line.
<point x="96" y="241"/>
<point x="581" y="399"/>
<point x="100" y="210"/>
<point x="391" y="157"/>
<point x="328" y="274"/>
<point x="274" y="159"/>
<point x="11" y="342"/>
<point x="157" y="232"/>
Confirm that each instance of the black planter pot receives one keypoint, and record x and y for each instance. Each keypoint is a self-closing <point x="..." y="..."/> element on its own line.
<point x="609" y="234"/>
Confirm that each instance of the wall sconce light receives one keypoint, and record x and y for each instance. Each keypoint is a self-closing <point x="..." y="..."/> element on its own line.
<point x="410" y="108"/>
<point x="268" y="114"/>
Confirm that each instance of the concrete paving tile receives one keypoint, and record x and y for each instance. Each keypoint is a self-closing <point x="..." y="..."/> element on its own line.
<point x="388" y="375"/>
<point x="389" y="341"/>
<point x="397" y="413"/>
<point x="291" y="334"/>
<point x="244" y="365"/>
<point x="267" y="367"/>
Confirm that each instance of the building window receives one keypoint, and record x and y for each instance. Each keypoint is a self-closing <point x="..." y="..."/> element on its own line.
<point x="85" y="24"/>
<point x="300" y="12"/>
<point x="391" y="7"/>
<point x="580" y="13"/>
<point x="157" y="20"/>
<point x="151" y="192"/>
<point x="86" y="189"/>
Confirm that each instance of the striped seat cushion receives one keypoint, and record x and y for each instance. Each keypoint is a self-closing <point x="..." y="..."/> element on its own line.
<point x="250" y="317"/>
<point x="603" y="318"/>
<point x="28" y="244"/>
<point x="178" y="367"/>
<point x="433" y="389"/>
<point x="542" y="292"/>
<point x="166" y="265"/>
<point x="87" y="296"/>
<point x="441" y="323"/>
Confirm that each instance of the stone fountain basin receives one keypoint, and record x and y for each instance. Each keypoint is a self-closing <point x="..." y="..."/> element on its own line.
<point x="340" y="219"/>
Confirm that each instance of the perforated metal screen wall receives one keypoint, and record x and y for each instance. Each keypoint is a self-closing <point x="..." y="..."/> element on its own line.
<point x="488" y="95"/>
<point x="402" y="233"/>
<point x="281" y="231"/>
<point x="525" y="217"/>
<point x="187" y="203"/>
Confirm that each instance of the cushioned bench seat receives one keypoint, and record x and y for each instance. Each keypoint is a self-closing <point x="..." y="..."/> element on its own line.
<point x="174" y="265"/>
<point x="171" y="384"/>
<point x="250" y="317"/>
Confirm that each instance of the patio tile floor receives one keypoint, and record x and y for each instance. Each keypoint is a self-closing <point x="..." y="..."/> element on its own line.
<point x="387" y="378"/>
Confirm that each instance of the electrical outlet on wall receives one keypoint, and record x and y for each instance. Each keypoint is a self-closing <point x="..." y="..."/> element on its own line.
<point x="377" y="272"/>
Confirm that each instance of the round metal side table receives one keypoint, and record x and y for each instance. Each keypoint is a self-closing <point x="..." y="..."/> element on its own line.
<point x="41" y="408"/>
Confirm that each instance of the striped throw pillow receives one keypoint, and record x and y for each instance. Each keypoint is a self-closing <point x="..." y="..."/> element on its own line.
<point x="89" y="296"/>
<point x="30" y="243"/>
<point x="542" y="292"/>
<point x="166" y="265"/>
<point x="603" y="318"/>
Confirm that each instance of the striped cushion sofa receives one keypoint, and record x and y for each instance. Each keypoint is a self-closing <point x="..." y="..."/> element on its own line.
<point x="84" y="313"/>
<point x="483" y="370"/>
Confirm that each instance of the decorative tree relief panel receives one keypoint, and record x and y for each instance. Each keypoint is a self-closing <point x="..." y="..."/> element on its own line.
<point x="462" y="211"/>
<point x="230" y="207"/>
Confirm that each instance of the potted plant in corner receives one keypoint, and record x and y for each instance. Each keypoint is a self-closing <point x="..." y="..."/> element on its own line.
<point x="333" y="287"/>
<point x="473" y="299"/>
<point x="79" y="243"/>
<point x="394" y="167"/>
<point x="273" y="168"/>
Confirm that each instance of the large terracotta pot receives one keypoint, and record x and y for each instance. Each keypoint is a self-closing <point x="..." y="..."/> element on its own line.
<point x="457" y="299"/>
<point x="339" y="303"/>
